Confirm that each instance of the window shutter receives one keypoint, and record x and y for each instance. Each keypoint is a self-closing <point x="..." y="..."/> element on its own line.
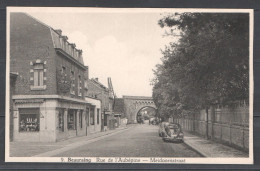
<point x="41" y="78"/>
<point x="35" y="78"/>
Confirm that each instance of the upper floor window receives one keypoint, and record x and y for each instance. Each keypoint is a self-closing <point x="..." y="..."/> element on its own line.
<point x="38" y="74"/>
<point x="63" y="70"/>
<point x="79" y="86"/>
<point x="72" y="88"/>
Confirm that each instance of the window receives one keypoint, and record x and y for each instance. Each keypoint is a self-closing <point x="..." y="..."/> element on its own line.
<point x="87" y="116"/>
<point x="61" y="43"/>
<point x="98" y="116"/>
<point x="72" y="119"/>
<point x="86" y="84"/>
<point x="29" y="120"/>
<point x="80" y="118"/>
<point x="92" y="119"/>
<point x="79" y="86"/>
<point x="105" y="119"/>
<point x="72" y="91"/>
<point x="61" y="120"/>
<point x="38" y="74"/>
<point x="63" y="70"/>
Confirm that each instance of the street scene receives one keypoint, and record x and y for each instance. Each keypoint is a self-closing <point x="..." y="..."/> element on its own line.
<point x="159" y="84"/>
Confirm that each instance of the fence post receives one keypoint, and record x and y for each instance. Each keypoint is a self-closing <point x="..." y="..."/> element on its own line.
<point x="207" y="122"/>
<point x="193" y="129"/>
<point x="213" y="121"/>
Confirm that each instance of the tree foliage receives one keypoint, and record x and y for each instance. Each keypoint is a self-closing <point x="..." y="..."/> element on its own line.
<point x="209" y="63"/>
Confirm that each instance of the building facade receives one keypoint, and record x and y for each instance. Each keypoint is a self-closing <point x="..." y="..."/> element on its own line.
<point x="99" y="91"/>
<point x="48" y="98"/>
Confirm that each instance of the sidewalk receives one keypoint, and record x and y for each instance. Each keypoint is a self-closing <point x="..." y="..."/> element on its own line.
<point x="209" y="148"/>
<point x="48" y="149"/>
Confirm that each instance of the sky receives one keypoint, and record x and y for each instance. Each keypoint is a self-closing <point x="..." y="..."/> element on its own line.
<point x="122" y="45"/>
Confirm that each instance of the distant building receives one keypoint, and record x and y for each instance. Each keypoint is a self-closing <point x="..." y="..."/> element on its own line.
<point x="48" y="97"/>
<point x="119" y="110"/>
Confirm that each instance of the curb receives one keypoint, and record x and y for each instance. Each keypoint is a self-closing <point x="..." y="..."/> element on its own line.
<point x="77" y="144"/>
<point x="194" y="149"/>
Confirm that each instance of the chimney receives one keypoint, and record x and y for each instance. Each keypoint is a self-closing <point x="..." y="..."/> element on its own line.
<point x="59" y="31"/>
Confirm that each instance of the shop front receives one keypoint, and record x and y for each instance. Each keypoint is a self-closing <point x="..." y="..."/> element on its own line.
<point x="48" y="119"/>
<point x="93" y="115"/>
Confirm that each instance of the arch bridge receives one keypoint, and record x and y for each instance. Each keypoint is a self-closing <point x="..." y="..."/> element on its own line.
<point x="133" y="104"/>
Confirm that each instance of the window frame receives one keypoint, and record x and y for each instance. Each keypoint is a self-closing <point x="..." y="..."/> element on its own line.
<point x="72" y="88"/>
<point x="61" y="113"/>
<point x="79" y="85"/>
<point x="72" y="112"/>
<point x="98" y="117"/>
<point x="30" y="111"/>
<point x="92" y="116"/>
<point x="81" y="119"/>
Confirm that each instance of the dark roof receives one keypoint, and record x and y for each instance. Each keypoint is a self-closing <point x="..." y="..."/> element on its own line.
<point x="98" y="83"/>
<point x="56" y="34"/>
<point x="119" y="105"/>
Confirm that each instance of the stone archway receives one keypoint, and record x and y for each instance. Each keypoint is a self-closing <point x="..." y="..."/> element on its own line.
<point x="133" y="104"/>
<point x="150" y="109"/>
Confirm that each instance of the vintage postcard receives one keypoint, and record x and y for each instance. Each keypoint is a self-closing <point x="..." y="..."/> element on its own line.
<point x="125" y="85"/>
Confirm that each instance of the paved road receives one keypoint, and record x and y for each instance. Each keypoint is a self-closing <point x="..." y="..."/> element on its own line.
<point x="137" y="141"/>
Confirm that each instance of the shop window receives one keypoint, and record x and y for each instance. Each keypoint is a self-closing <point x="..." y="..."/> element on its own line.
<point x="105" y="120"/>
<point x="72" y="87"/>
<point x="98" y="116"/>
<point x="72" y="119"/>
<point x="79" y="86"/>
<point x="61" y="120"/>
<point x="87" y="116"/>
<point x="80" y="118"/>
<point x="29" y="120"/>
<point x="92" y="119"/>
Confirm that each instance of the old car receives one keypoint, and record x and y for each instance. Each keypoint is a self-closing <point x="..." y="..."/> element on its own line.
<point x="173" y="133"/>
<point x="161" y="130"/>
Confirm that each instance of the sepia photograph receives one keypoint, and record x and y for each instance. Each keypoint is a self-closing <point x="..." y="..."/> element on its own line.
<point x="129" y="85"/>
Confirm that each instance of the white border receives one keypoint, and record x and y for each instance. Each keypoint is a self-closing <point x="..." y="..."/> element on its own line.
<point x="248" y="160"/>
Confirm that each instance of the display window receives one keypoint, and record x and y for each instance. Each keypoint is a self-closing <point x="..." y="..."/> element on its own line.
<point x="72" y="119"/>
<point x="98" y="113"/>
<point x="92" y="119"/>
<point x="80" y="119"/>
<point x="87" y="116"/>
<point x="29" y="120"/>
<point x="61" y="120"/>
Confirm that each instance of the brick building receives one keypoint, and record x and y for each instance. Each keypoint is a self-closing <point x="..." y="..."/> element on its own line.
<point x="48" y="98"/>
<point x="99" y="91"/>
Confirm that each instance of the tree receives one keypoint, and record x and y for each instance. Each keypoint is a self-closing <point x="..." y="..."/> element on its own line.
<point x="208" y="64"/>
